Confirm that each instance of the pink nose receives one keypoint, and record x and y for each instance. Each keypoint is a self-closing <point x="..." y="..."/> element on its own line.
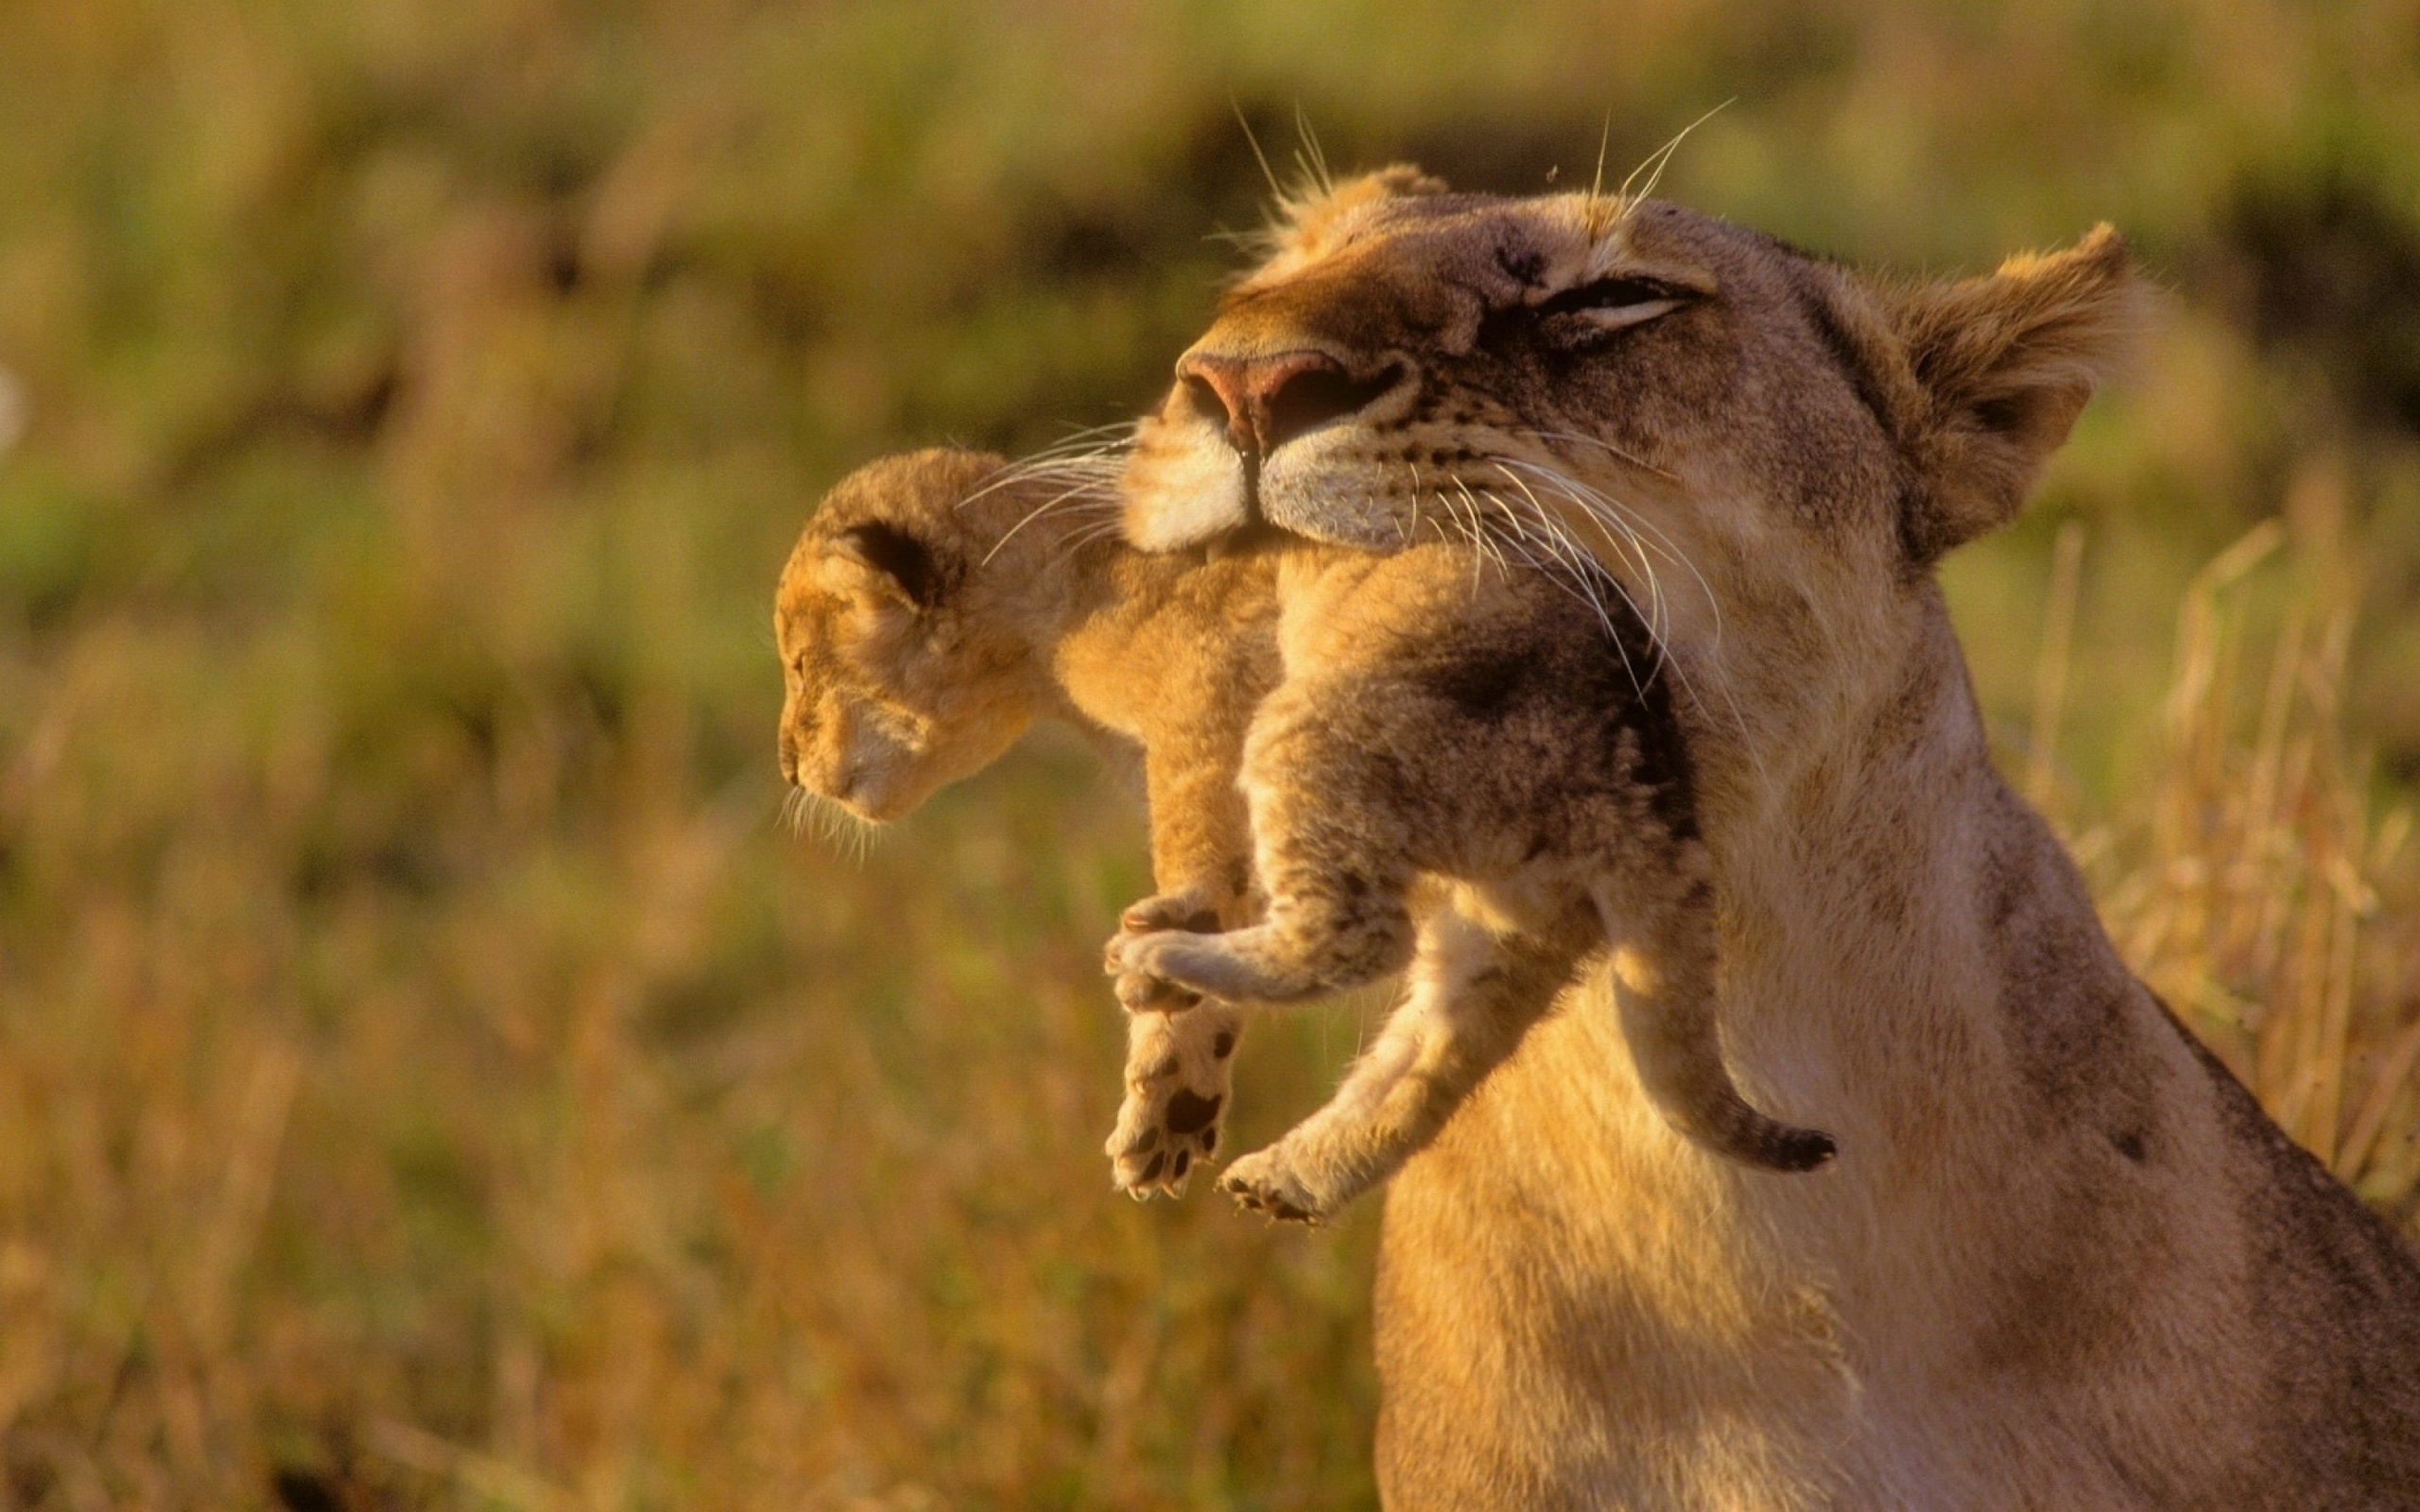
<point x="1267" y="401"/>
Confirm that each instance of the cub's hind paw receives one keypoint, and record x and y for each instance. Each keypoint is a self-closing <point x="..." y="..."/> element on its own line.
<point x="1266" y="1181"/>
<point x="1177" y="1081"/>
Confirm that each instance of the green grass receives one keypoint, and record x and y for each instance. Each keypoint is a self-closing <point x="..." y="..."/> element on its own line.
<point x="428" y="1074"/>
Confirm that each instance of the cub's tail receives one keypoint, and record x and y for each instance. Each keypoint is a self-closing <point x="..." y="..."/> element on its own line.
<point x="1663" y="977"/>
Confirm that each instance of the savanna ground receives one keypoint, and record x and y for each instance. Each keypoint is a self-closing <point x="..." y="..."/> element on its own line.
<point x="429" y="1077"/>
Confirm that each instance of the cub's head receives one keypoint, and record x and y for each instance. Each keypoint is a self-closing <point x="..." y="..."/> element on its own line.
<point x="903" y="668"/>
<point x="1743" y="435"/>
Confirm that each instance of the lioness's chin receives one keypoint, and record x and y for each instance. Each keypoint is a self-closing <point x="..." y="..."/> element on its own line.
<point x="872" y="808"/>
<point x="1334" y="508"/>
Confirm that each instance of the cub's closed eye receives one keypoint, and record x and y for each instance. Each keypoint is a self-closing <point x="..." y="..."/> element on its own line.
<point x="1610" y="303"/>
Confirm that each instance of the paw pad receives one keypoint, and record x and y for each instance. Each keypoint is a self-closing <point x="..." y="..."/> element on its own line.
<point x="1176" y="1090"/>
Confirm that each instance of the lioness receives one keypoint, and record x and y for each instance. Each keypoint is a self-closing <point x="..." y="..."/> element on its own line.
<point x="2064" y="1260"/>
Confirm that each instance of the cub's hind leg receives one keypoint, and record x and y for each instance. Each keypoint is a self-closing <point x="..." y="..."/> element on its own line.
<point x="1179" y="1069"/>
<point x="1472" y="994"/>
<point x="1662" y="919"/>
<point x="1179" y="1062"/>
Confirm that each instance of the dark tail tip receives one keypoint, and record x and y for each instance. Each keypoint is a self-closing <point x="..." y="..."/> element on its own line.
<point x="1799" y="1149"/>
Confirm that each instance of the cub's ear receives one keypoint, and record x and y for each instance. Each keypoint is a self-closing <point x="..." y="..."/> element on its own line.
<point x="2002" y="366"/>
<point x="898" y="565"/>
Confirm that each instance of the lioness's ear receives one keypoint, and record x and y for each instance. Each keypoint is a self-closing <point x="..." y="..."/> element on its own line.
<point x="2003" y="365"/>
<point x="894" y="562"/>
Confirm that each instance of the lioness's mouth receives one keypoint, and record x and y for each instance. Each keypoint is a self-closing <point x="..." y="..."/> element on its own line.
<point x="1257" y="533"/>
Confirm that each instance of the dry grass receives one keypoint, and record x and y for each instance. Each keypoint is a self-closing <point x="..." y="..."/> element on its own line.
<point x="2261" y="885"/>
<point x="683" y="1164"/>
<point x="428" y="1074"/>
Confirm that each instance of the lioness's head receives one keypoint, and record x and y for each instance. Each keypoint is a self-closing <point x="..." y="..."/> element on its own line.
<point x="900" y="674"/>
<point x="1741" y="432"/>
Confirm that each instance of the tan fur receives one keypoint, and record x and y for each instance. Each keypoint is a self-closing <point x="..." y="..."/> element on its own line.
<point x="1402" y="747"/>
<point x="940" y="602"/>
<point x="2062" y="1261"/>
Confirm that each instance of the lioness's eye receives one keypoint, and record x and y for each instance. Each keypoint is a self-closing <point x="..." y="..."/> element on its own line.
<point x="1611" y="302"/>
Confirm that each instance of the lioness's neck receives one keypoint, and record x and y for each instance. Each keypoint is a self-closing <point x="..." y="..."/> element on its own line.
<point x="1649" y="1293"/>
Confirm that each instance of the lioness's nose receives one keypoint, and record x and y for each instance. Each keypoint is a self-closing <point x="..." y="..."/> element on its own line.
<point x="1268" y="401"/>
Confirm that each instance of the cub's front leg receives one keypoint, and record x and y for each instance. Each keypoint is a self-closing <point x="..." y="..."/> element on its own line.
<point x="1179" y="1065"/>
<point x="1307" y="947"/>
<point x="1179" y="1048"/>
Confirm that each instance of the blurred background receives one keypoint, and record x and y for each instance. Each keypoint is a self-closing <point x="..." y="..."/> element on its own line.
<point x="430" y="1075"/>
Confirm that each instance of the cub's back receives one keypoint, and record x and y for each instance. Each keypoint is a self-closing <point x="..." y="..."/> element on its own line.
<point x="1515" y="710"/>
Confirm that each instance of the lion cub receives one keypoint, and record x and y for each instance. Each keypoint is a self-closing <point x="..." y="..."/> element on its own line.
<point x="1452" y="727"/>
<point x="1479" y="730"/>
<point x="940" y="601"/>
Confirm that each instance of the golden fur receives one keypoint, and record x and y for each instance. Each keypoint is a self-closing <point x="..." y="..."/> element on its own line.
<point x="940" y="601"/>
<point x="1401" y="816"/>
<point x="2063" y="1261"/>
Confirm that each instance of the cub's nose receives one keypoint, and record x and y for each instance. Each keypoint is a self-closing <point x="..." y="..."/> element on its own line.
<point x="1266" y="401"/>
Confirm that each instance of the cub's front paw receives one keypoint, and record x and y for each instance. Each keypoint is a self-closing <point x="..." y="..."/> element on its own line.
<point x="1267" y="1181"/>
<point x="1177" y="1081"/>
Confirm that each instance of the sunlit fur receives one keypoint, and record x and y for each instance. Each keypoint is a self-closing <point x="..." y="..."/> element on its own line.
<point x="938" y="602"/>
<point x="1401" y="819"/>
<point x="2063" y="1261"/>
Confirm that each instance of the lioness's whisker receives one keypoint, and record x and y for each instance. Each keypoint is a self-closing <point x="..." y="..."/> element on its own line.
<point x="1622" y="454"/>
<point x="1576" y="574"/>
<point x="1608" y="514"/>
<point x="1081" y="490"/>
<point x="1657" y="619"/>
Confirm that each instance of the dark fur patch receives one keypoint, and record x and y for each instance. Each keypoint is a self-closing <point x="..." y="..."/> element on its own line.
<point x="1526" y="267"/>
<point x="1480" y="686"/>
<point x="1834" y="338"/>
<point x="905" y="559"/>
<point x="1190" y="1113"/>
